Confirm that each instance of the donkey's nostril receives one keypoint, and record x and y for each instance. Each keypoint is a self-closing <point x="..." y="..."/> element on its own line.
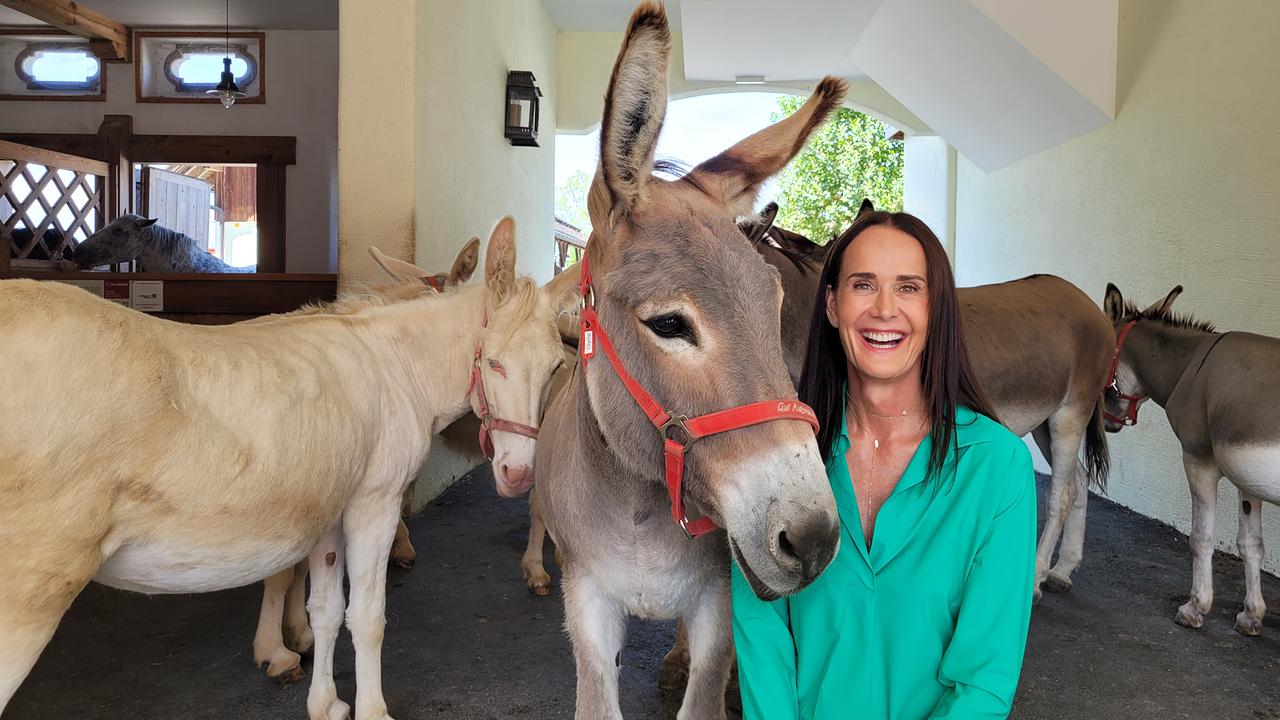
<point x="784" y="547"/>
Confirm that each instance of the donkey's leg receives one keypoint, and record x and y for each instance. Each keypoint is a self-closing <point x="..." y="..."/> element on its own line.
<point x="370" y="526"/>
<point x="1203" y="477"/>
<point x="31" y="605"/>
<point x="1071" y="550"/>
<point x="1061" y="438"/>
<point x="710" y="655"/>
<point x="284" y="665"/>
<point x="1249" y="542"/>
<point x="297" y="626"/>
<point x="402" y="552"/>
<point x="326" y="606"/>
<point x="596" y="626"/>
<point x="674" y="673"/>
<point x="535" y="575"/>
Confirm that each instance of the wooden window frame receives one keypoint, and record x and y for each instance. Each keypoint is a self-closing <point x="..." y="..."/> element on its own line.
<point x="55" y="36"/>
<point x="260" y="65"/>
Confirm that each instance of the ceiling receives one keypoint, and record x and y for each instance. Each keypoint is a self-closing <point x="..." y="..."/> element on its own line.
<point x="254" y="14"/>
<point x="603" y="15"/>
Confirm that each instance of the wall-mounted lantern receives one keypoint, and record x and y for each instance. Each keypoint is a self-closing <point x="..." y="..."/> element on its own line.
<point x="522" y="109"/>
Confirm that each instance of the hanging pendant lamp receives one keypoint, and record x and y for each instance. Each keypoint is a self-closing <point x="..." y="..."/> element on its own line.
<point x="227" y="91"/>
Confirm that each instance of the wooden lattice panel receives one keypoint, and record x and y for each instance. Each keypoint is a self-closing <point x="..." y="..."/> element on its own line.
<point x="43" y="191"/>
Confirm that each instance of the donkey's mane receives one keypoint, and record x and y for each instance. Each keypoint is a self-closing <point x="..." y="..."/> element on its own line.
<point x="1168" y="317"/>
<point x="524" y="294"/>
<point x="376" y="295"/>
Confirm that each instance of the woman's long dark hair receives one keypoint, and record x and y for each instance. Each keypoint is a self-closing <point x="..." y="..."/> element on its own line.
<point x="945" y="372"/>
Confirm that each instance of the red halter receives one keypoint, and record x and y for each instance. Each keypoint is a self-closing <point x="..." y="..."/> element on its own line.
<point x="489" y="423"/>
<point x="1131" y="411"/>
<point x="692" y="428"/>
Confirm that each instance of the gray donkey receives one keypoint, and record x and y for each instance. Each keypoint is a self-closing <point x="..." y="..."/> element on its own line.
<point x="155" y="247"/>
<point x="1220" y="392"/>
<point x="672" y="288"/>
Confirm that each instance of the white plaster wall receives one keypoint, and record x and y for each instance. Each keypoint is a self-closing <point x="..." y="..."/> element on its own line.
<point x="302" y="71"/>
<point x="467" y="175"/>
<point x="929" y="185"/>
<point x="1183" y="188"/>
<point x="584" y="61"/>
<point x="375" y="134"/>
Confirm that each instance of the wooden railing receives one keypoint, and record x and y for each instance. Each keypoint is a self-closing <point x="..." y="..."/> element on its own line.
<point x="49" y="201"/>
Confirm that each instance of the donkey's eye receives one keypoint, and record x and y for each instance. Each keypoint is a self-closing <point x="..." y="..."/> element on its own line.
<point x="670" y="326"/>
<point x="497" y="367"/>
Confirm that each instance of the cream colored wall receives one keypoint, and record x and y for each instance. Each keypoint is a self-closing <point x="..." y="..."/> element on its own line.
<point x="1183" y="188"/>
<point x="301" y="101"/>
<point x="467" y="175"/>
<point x="584" y="61"/>
<point x="375" y="148"/>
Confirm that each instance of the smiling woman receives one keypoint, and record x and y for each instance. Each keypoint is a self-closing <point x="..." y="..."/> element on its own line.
<point x="923" y="613"/>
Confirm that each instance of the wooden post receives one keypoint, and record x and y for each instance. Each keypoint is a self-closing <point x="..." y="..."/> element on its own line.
<point x="271" y="207"/>
<point x="116" y="134"/>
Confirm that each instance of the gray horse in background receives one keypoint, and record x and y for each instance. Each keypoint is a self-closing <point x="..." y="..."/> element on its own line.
<point x="155" y="247"/>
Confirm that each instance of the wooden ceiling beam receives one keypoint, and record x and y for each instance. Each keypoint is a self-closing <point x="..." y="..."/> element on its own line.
<point x="110" y="40"/>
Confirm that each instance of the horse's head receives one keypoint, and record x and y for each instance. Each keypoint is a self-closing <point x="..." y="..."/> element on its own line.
<point x="519" y="352"/>
<point x="120" y="241"/>
<point x="1126" y="391"/>
<point x="693" y="312"/>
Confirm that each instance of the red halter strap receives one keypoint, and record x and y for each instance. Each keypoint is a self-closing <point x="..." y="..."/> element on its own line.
<point x="489" y="423"/>
<point x="1131" y="410"/>
<point x="674" y="448"/>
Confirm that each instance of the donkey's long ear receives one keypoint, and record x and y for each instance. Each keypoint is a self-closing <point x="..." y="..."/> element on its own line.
<point x="1161" y="307"/>
<point x="500" y="259"/>
<point x="563" y="289"/>
<point x="633" y="112"/>
<point x="866" y="206"/>
<point x="398" y="270"/>
<point x="757" y="227"/>
<point x="464" y="266"/>
<point x="736" y="174"/>
<point x="148" y="222"/>
<point x="1113" y="303"/>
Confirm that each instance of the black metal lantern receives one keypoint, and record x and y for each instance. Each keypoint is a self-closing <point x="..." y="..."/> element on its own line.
<point x="522" y="109"/>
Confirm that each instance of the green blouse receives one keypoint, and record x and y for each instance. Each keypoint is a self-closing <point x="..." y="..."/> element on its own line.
<point x="930" y="621"/>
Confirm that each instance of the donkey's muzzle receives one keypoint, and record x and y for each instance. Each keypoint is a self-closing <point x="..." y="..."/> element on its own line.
<point x="803" y="549"/>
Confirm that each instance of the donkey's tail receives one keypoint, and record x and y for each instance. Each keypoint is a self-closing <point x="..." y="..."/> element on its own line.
<point x="1097" y="458"/>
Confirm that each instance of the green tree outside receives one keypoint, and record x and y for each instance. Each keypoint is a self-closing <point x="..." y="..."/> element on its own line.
<point x="848" y="159"/>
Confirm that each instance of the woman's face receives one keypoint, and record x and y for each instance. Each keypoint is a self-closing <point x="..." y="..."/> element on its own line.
<point x="880" y="305"/>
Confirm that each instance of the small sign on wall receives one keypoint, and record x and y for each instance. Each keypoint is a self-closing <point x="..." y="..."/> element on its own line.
<point x="117" y="291"/>
<point x="147" y="295"/>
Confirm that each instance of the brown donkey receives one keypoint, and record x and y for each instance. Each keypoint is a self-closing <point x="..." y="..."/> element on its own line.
<point x="675" y="298"/>
<point x="1220" y="392"/>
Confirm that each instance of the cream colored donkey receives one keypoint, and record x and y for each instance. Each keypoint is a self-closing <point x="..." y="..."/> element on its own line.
<point x="192" y="459"/>
<point x="283" y="630"/>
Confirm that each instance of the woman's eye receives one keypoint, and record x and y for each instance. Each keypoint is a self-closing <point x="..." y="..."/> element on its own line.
<point x="863" y="286"/>
<point x="669" y="326"/>
<point x="909" y="289"/>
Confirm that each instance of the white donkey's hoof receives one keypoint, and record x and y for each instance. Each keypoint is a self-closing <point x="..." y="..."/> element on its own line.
<point x="335" y="710"/>
<point x="1057" y="583"/>
<point x="1189" y="616"/>
<point x="1247" y="625"/>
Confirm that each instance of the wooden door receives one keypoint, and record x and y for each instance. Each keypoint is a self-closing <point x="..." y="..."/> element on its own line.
<point x="178" y="202"/>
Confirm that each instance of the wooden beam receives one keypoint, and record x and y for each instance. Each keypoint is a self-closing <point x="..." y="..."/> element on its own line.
<point x="76" y="19"/>
<point x="110" y="40"/>
<point x="115" y="137"/>
<point x="51" y="158"/>
<point x="87" y="146"/>
<point x="190" y="149"/>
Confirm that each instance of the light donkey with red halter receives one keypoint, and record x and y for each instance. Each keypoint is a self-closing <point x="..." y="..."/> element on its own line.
<point x="1220" y="392"/>
<point x="253" y="446"/>
<point x="681" y="402"/>
<point x="284" y="632"/>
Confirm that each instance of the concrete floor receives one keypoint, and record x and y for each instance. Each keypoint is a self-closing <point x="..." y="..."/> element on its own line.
<point x="465" y="640"/>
